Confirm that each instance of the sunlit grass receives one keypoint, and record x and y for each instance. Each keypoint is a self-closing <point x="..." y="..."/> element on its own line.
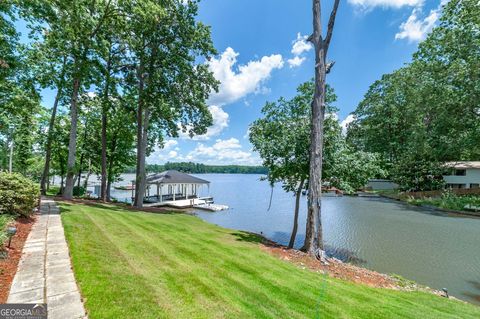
<point x="142" y="265"/>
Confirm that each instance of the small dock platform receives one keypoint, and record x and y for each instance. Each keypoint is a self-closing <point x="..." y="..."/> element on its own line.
<point x="205" y="203"/>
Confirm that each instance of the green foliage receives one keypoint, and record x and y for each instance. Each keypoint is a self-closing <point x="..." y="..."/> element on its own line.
<point x="53" y="190"/>
<point x="189" y="167"/>
<point x="18" y="195"/>
<point x="197" y="168"/>
<point x="351" y="169"/>
<point x="450" y="200"/>
<point x="427" y="112"/>
<point x="79" y="191"/>
<point x="417" y="173"/>
<point x="282" y="138"/>
<point x="5" y="220"/>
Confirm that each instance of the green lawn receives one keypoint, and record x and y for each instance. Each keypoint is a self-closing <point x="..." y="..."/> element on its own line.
<point x="142" y="265"/>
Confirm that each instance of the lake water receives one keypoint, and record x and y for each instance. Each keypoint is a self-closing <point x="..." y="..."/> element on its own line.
<point x="432" y="248"/>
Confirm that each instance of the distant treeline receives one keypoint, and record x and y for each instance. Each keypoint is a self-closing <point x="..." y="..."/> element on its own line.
<point x="195" y="168"/>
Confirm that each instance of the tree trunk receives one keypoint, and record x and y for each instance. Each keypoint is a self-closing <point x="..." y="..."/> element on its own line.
<point x="82" y="156"/>
<point x="295" y="218"/>
<point x="103" y="187"/>
<point x="62" y="175"/>
<point x="110" y="166"/>
<point x="48" y="148"/>
<point x="51" y="126"/>
<point x="140" y="169"/>
<point x="10" y="160"/>
<point x="109" y="179"/>
<point x="72" y="144"/>
<point x="105" y="107"/>
<point x="89" y="172"/>
<point x="313" y="239"/>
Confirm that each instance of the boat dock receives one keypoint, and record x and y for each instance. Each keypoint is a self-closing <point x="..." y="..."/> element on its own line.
<point x="177" y="190"/>
<point x="205" y="203"/>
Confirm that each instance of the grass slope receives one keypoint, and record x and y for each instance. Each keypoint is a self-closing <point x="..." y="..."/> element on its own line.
<point x="142" y="265"/>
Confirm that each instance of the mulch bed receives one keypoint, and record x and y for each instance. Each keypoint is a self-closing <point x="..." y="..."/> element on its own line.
<point x="345" y="271"/>
<point x="8" y="266"/>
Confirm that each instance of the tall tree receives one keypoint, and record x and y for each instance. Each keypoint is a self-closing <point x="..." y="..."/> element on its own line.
<point x="282" y="138"/>
<point x="57" y="81"/>
<point x="427" y="112"/>
<point x="169" y="85"/>
<point x="313" y="240"/>
<point x="84" y="21"/>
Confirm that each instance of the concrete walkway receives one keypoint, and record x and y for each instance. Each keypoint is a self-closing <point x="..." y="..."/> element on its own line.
<point x="44" y="274"/>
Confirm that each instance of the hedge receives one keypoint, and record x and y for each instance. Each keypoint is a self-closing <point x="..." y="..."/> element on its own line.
<point x="18" y="195"/>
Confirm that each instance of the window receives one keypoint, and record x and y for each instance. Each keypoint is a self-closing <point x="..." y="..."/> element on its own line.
<point x="460" y="172"/>
<point x="456" y="186"/>
<point x="475" y="185"/>
<point x="448" y="172"/>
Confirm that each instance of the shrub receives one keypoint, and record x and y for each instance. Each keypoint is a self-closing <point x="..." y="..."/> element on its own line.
<point x="18" y="195"/>
<point x="5" y="220"/>
<point x="78" y="191"/>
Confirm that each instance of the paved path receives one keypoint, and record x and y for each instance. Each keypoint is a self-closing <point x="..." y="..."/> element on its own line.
<point x="44" y="274"/>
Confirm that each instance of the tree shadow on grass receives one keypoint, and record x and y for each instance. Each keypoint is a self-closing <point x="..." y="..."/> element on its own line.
<point x="248" y="237"/>
<point x="117" y="207"/>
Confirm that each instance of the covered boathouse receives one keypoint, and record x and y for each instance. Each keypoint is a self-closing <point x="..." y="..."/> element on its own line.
<point x="174" y="188"/>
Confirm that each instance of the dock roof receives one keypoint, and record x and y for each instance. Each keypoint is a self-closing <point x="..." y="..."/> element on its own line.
<point x="174" y="177"/>
<point x="464" y="164"/>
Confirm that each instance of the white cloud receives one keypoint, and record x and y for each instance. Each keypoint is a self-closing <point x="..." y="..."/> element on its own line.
<point x="220" y="122"/>
<point x="227" y="151"/>
<point x="247" y="133"/>
<point x="417" y="25"/>
<point x="168" y="144"/>
<point x="415" y="28"/>
<point x="346" y="122"/>
<point x="236" y="84"/>
<point x="295" y="61"/>
<point x="300" y="45"/>
<point x="369" y="4"/>
<point x="162" y="155"/>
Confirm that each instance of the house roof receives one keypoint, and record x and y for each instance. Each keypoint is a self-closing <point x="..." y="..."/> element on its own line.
<point x="464" y="164"/>
<point x="174" y="177"/>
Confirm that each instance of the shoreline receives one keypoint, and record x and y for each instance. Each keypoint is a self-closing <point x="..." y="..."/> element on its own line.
<point x="431" y="207"/>
<point x="335" y="267"/>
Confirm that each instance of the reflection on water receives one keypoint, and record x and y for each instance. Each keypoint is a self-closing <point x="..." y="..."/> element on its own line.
<point x="427" y="246"/>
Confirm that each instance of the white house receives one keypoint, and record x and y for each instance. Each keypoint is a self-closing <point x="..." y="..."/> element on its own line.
<point x="463" y="175"/>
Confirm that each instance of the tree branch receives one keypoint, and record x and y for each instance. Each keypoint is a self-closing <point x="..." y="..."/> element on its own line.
<point x="316" y="37"/>
<point x="331" y="23"/>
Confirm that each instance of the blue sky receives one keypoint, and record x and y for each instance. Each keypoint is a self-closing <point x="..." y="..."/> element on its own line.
<point x="258" y="62"/>
<point x="262" y="55"/>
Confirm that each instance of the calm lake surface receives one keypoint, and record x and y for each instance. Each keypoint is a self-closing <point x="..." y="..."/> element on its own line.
<point x="432" y="248"/>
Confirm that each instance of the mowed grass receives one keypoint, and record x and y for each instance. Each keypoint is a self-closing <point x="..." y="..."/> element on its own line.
<point x="142" y="265"/>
